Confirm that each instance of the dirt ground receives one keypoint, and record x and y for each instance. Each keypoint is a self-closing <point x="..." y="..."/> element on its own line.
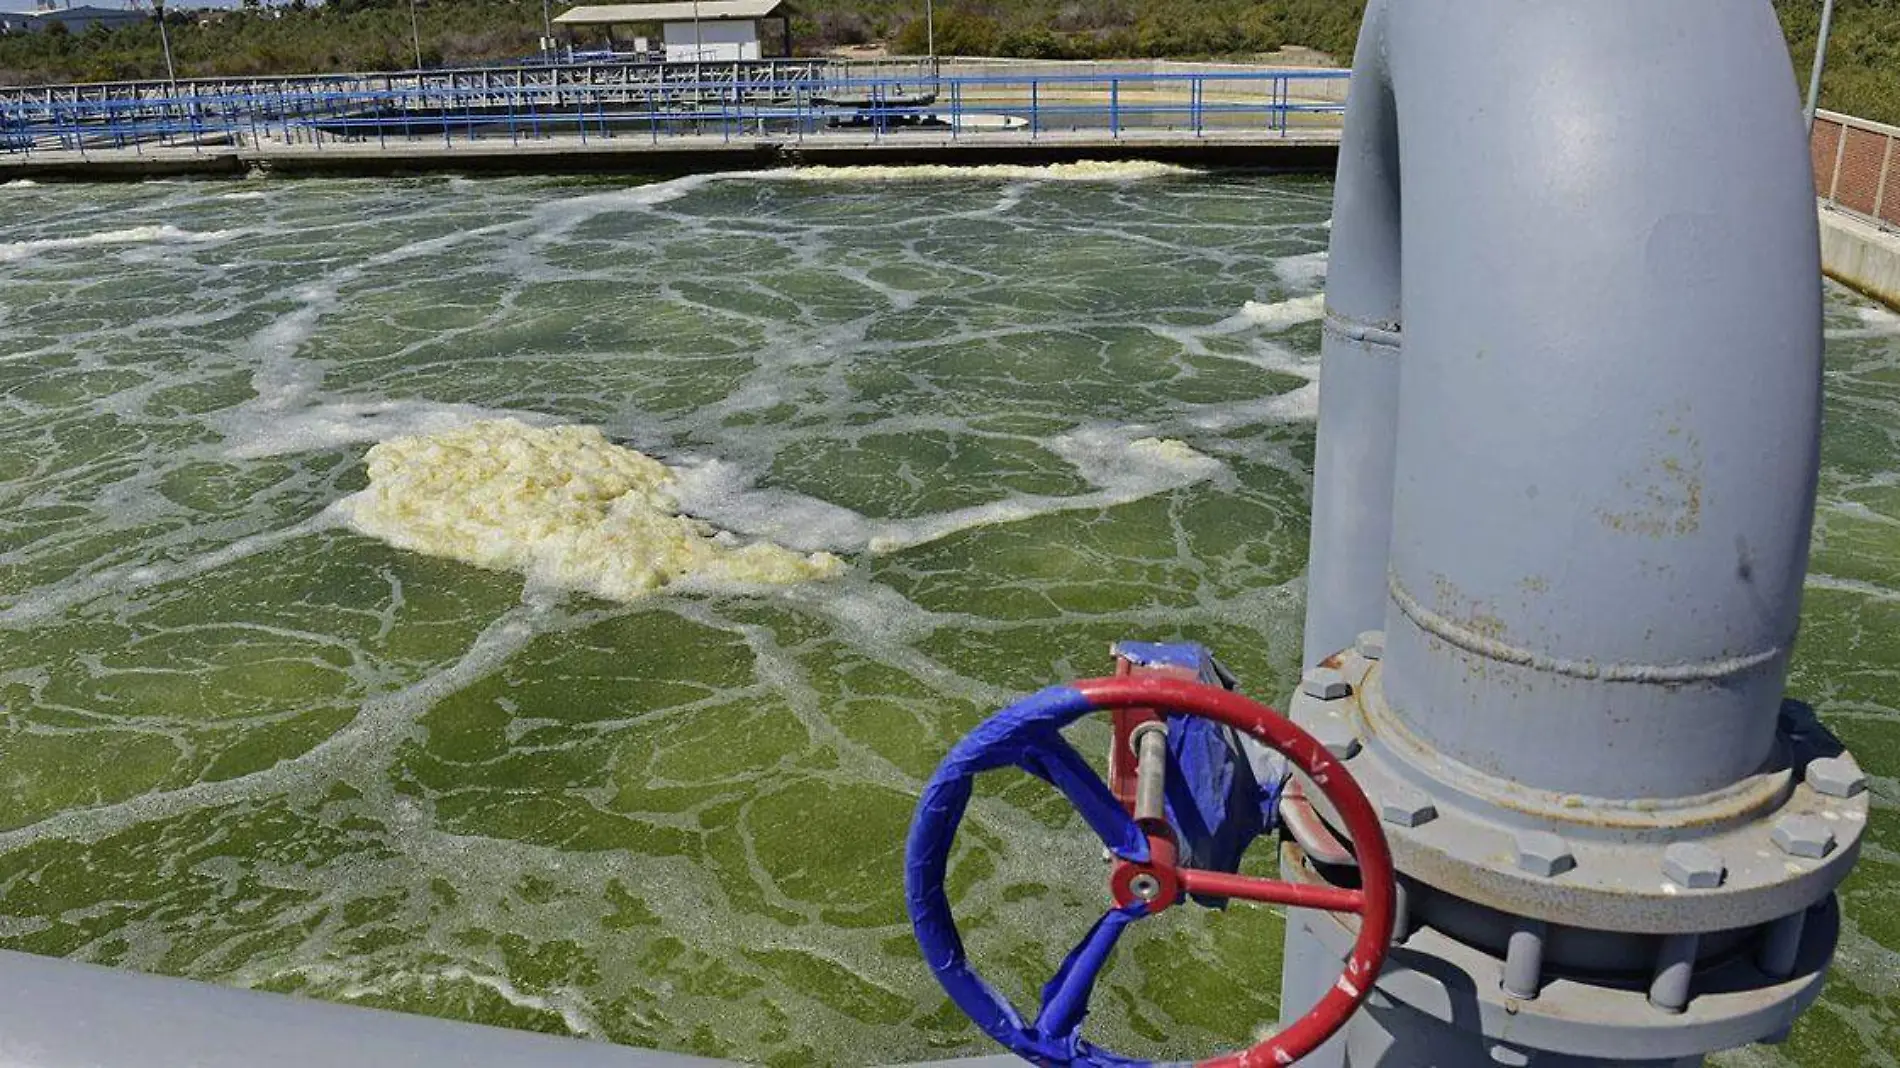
<point x="1290" y="56"/>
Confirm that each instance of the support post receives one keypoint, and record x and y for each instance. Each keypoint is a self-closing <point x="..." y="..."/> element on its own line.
<point x="1820" y="61"/>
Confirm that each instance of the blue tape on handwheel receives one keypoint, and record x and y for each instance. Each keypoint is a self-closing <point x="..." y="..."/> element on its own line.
<point x="1024" y="735"/>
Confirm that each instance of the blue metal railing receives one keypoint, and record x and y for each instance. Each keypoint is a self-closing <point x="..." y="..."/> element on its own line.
<point x="1118" y="105"/>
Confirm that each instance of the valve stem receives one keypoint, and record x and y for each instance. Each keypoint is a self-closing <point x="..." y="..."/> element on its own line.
<point x="1151" y="769"/>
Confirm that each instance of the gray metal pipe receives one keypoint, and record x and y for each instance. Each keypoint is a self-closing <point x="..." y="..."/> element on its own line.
<point x="1592" y="444"/>
<point x="1353" y="457"/>
<point x="1608" y="428"/>
<point x="1359" y="370"/>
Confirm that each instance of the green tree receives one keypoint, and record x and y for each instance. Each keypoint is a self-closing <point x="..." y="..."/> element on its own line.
<point x="959" y="33"/>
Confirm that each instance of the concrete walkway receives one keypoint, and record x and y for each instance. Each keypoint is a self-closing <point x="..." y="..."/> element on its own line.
<point x="1299" y="150"/>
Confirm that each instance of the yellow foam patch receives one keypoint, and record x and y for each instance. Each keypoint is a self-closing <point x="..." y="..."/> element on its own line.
<point x="563" y="506"/>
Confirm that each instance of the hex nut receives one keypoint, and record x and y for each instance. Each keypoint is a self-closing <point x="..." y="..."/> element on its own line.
<point x="1836" y="776"/>
<point x="1336" y="735"/>
<point x="1408" y="810"/>
<point x="1544" y="854"/>
<point x="1325" y="683"/>
<point x="1694" y="867"/>
<point x="1370" y="644"/>
<point x="1803" y="836"/>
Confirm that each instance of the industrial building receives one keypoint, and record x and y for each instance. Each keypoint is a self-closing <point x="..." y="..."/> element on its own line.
<point x="75" y="19"/>
<point x="689" y="31"/>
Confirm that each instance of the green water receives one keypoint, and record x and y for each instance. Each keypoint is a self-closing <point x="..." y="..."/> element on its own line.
<point x="246" y="745"/>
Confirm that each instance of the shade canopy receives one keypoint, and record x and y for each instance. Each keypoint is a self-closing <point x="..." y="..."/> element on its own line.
<point x="675" y="11"/>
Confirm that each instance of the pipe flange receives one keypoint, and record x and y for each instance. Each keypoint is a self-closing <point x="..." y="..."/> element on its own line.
<point x="1733" y="1002"/>
<point x="1766" y="848"/>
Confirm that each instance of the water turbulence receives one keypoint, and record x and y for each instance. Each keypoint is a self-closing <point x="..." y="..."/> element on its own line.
<point x="563" y="505"/>
<point x="344" y="647"/>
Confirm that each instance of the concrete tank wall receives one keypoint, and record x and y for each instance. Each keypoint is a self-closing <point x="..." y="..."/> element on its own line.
<point x="1857" y="253"/>
<point x="1857" y="178"/>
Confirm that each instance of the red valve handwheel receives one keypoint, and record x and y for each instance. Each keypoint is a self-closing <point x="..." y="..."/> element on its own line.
<point x="1146" y="878"/>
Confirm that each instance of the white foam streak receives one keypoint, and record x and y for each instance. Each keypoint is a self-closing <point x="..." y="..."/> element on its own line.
<point x="251" y="434"/>
<point x="377" y="722"/>
<point x="576" y="1020"/>
<point x="1880" y="320"/>
<point x="576" y="209"/>
<point x="137" y="235"/>
<point x="640" y="196"/>
<point x="1818" y="581"/>
<point x="1281" y="315"/>
<point x="1304" y="272"/>
<point x="44" y="605"/>
<point x="1295" y="406"/>
<point x="1082" y="171"/>
<point x="1124" y="466"/>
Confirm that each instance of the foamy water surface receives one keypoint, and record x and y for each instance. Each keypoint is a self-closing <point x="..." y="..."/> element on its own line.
<point x="1027" y="415"/>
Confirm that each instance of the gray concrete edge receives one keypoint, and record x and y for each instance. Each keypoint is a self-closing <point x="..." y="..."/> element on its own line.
<point x="1861" y="255"/>
<point x="1305" y="152"/>
<point x="65" y="1014"/>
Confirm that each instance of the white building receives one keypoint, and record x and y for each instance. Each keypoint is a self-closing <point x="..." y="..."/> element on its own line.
<point x="693" y="30"/>
<point x="75" y="19"/>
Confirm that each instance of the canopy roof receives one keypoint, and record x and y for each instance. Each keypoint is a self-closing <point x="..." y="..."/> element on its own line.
<point x="675" y="11"/>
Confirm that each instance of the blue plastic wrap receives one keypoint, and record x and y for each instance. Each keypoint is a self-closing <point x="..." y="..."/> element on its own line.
<point x="1216" y="803"/>
<point x="1024" y="735"/>
<point x="1217" y="800"/>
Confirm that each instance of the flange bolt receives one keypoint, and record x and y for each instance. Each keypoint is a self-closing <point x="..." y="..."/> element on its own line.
<point x="1336" y="735"/>
<point x="1693" y="867"/>
<point x="1408" y="809"/>
<point x="1803" y="836"/>
<point x="1836" y="776"/>
<point x="1544" y="854"/>
<point x="1370" y="644"/>
<point x="1325" y="683"/>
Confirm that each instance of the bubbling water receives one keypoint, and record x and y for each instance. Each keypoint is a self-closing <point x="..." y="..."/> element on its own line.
<point x="562" y="505"/>
<point x="248" y="743"/>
